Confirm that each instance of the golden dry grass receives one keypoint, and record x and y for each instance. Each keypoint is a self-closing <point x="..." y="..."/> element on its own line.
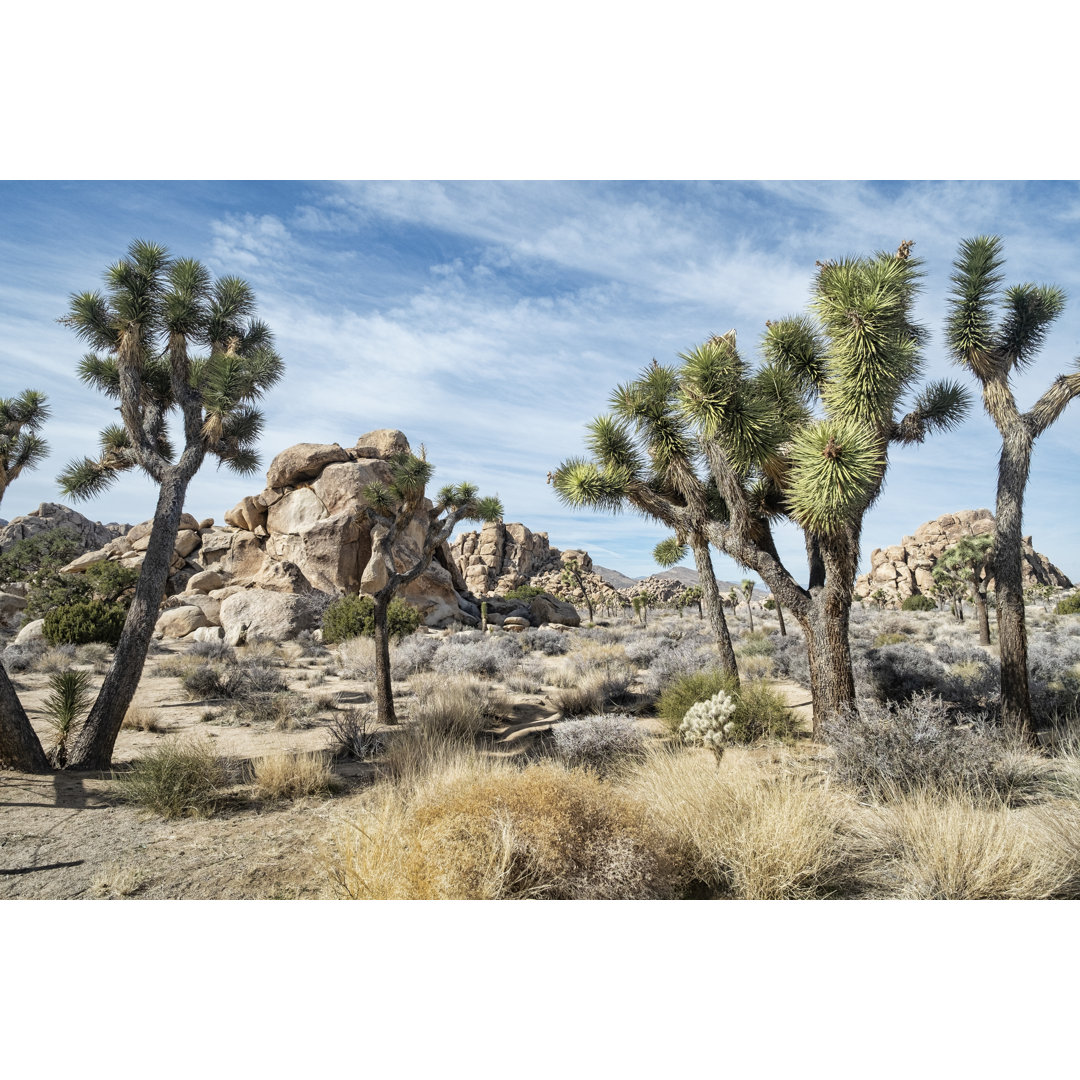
<point x="482" y="829"/>
<point x="755" y="833"/>
<point x="141" y="718"/>
<point x="293" y="776"/>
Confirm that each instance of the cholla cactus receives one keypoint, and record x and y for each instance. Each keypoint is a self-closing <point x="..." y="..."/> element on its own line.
<point x="709" y="723"/>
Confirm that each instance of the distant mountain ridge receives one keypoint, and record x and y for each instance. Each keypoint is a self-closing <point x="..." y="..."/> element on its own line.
<point x="684" y="575"/>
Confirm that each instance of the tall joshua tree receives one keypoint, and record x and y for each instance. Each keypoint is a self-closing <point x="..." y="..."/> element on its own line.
<point x="20" y="445"/>
<point x="748" y="594"/>
<point x="642" y="457"/>
<point x="993" y="354"/>
<point x="143" y="329"/>
<point x="806" y="437"/>
<point x="391" y="509"/>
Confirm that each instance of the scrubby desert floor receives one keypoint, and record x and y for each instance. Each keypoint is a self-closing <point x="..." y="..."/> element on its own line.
<point x="486" y="801"/>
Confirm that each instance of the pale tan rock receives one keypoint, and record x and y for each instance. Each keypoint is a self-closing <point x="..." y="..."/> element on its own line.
<point x="207" y="633"/>
<point x="382" y="443"/>
<point x="10" y="606"/>
<point x="206" y="523"/>
<point x="31" y="631"/>
<point x="247" y="514"/>
<point x="260" y="613"/>
<point x="180" y="621"/>
<point x="84" y="562"/>
<point x="204" y="581"/>
<point x="296" y="512"/>
<point x="187" y="540"/>
<point x="549" y="609"/>
<point x="339" y="487"/>
<point x="304" y="461"/>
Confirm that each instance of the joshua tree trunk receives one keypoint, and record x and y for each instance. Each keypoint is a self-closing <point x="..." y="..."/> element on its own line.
<point x="20" y="748"/>
<point x="384" y="696"/>
<point x="1013" y="468"/>
<point x="981" y="612"/>
<point x="94" y="743"/>
<point x="710" y="600"/>
<point x="780" y="617"/>
<point x="750" y="614"/>
<point x="829" y="653"/>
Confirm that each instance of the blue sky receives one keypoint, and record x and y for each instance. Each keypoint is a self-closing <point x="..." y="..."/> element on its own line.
<point x="490" y="321"/>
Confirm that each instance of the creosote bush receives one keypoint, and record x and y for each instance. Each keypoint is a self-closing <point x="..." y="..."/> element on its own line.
<point x="178" y="778"/>
<point x="1070" y="605"/>
<point x="598" y="742"/>
<point x="918" y="602"/>
<point x="354" y="616"/>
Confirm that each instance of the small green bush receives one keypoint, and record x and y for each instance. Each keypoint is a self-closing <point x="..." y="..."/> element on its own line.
<point x="354" y="616"/>
<point x="760" y="711"/>
<point x="918" y="603"/>
<point x="889" y="639"/>
<point x="176" y="779"/>
<point x="524" y="592"/>
<point x="1070" y="605"/>
<point x="92" y="620"/>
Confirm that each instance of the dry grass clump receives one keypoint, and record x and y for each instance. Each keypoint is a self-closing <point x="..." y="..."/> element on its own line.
<point x="938" y="846"/>
<point x="593" y="693"/>
<point x="753" y="834"/>
<point x="54" y="660"/>
<point x="756" y="666"/>
<point x="352" y="735"/>
<point x="356" y="658"/>
<point x="141" y="718"/>
<point x="487" y="831"/>
<point x="455" y="707"/>
<point x="293" y="776"/>
<point x="116" y="882"/>
<point x="178" y="778"/>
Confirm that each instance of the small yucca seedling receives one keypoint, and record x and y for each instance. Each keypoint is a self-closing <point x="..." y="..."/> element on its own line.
<point x="68" y="701"/>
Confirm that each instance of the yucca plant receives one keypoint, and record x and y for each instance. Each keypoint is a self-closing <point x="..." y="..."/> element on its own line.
<point x="993" y="354"/>
<point x="144" y="330"/>
<point x="389" y="510"/>
<point x="69" y="698"/>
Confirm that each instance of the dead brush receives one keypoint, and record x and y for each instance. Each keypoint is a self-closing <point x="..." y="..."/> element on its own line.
<point x="352" y="735"/>
<point x="293" y="776"/>
<point x="141" y="718"/>
<point x="752" y="833"/>
<point x="935" y="845"/>
<point x="481" y="829"/>
<point x="594" y="693"/>
<point x="455" y="707"/>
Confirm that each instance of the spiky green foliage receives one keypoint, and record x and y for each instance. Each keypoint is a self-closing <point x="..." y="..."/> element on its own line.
<point x="145" y="329"/>
<point x="21" y="448"/>
<point x="670" y="552"/>
<point x="68" y="699"/>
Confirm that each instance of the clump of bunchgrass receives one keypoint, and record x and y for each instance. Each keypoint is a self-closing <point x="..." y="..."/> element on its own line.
<point x="178" y="778"/>
<point x="141" y="718"/>
<point x="293" y="776"/>
<point x="604" y="688"/>
<point x="352" y="735"/>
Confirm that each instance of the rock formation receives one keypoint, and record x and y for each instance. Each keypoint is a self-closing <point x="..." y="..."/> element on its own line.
<point x="48" y="516"/>
<point x="906" y="569"/>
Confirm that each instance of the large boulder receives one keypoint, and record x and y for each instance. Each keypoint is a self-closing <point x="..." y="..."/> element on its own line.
<point x="11" y="606"/>
<point x="549" y="609"/>
<point x="180" y="621"/>
<point x="31" y="631"/>
<point x="259" y="613"/>
<point x="304" y="461"/>
<point x="382" y="443"/>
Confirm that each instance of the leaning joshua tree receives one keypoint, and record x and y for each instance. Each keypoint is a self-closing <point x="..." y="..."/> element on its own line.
<point x="390" y="511"/>
<point x="993" y="354"/>
<point x="806" y="436"/>
<point x="145" y="330"/>
<point x="21" y="447"/>
<point x="643" y="458"/>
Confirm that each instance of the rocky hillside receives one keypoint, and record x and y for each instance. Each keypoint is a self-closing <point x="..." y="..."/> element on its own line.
<point x="48" y="516"/>
<point x="906" y="568"/>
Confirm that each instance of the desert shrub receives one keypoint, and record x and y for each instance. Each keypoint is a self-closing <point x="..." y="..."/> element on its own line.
<point x="25" y="657"/>
<point x="351" y="735"/>
<point x="790" y="660"/>
<point x="1069" y="605"/>
<point x="545" y="640"/>
<point x="477" y="832"/>
<point x="246" y="680"/>
<point x="413" y="654"/>
<point x="58" y="658"/>
<point x="684" y="658"/>
<point x="178" y="778"/>
<point x="454" y="708"/>
<point x="760" y="711"/>
<point x="293" y="776"/>
<point x="45" y="551"/>
<point x="756" y="667"/>
<point x="687" y="690"/>
<point x="202" y="682"/>
<point x="354" y="616"/>
<point x="643" y="649"/>
<point x="141" y="718"/>
<point x="918" y="602"/>
<point x="527" y="676"/>
<point x="491" y="654"/>
<point x="260" y="652"/>
<point x="748" y="834"/>
<point x="603" y="688"/>
<point x="309" y="646"/>
<point x="709" y="723"/>
<point x="881" y="640"/>
<point x="97" y="654"/>
<point x="888" y="748"/>
<point x="282" y="710"/>
<point x="524" y="592"/>
<point x="213" y="650"/>
<point x="897" y="672"/>
<point x="950" y="847"/>
<point x="758" y="643"/>
<point x="952" y="652"/>
<point x="597" y="742"/>
<point x="356" y="658"/>
<point x="92" y="620"/>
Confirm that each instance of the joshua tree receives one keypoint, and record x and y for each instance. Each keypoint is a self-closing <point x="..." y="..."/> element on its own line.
<point x="748" y="592"/>
<point x="571" y="575"/>
<point x="20" y="445"/>
<point x="390" y="510"/>
<point x="771" y="455"/>
<point x="993" y="354"/>
<point x="642" y="458"/>
<point x="692" y="595"/>
<point x="951" y="588"/>
<point x="770" y="604"/>
<point x="970" y="562"/>
<point x="143" y="329"/>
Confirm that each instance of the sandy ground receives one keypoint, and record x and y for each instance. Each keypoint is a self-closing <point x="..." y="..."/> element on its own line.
<point x="71" y="835"/>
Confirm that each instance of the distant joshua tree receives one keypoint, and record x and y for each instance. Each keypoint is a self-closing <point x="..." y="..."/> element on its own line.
<point x="21" y="447"/>
<point x="993" y="354"/>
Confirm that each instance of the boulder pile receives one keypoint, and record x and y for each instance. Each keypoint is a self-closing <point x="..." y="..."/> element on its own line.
<point x="48" y="516"/>
<point x="906" y="568"/>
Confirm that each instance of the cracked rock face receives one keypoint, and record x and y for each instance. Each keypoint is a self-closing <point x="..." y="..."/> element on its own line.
<point x="905" y="569"/>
